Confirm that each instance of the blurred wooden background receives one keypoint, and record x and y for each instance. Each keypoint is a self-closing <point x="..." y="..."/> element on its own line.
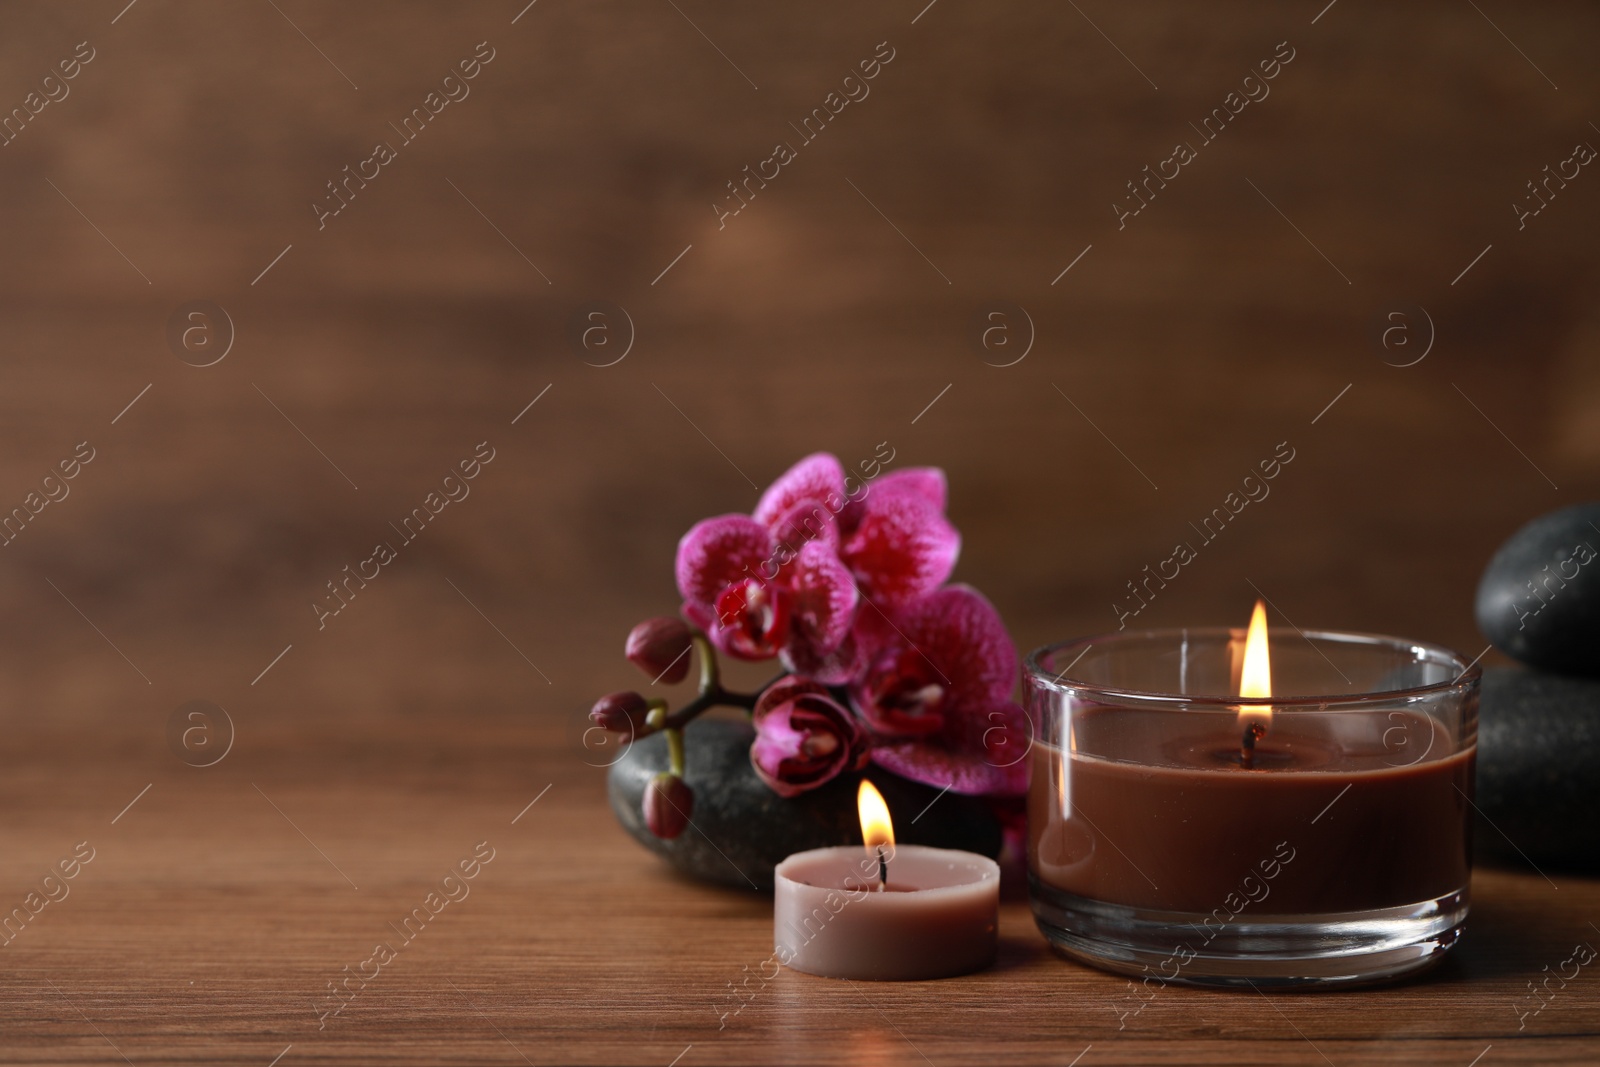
<point x="1378" y="176"/>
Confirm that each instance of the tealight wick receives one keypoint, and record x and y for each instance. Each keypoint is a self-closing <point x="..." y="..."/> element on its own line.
<point x="877" y="830"/>
<point x="1247" y="744"/>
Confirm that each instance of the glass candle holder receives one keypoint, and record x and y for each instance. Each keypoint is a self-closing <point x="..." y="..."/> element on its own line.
<point x="1321" y="835"/>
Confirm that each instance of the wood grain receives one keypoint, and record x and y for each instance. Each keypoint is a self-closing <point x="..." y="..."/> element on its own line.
<point x="207" y="927"/>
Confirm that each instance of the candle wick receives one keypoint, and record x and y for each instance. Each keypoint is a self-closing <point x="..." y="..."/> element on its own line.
<point x="883" y="870"/>
<point x="1247" y="744"/>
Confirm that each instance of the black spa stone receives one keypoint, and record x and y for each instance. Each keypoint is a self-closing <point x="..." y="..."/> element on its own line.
<point x="1539" y="769"/>
<point x="742" y="829"/>
<point x="1539" y="598"/>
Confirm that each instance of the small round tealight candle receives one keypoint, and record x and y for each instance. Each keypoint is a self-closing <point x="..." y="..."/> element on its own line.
<point x="881" y="913"/>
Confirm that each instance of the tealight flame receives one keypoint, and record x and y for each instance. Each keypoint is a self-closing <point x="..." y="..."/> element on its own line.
<point x="876" y="829"/>
<point x="1255" y="676"/>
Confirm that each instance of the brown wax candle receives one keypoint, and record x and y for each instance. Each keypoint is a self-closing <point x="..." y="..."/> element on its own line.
<point x="1337" y="814"/>
<point x="1224" y="807"/>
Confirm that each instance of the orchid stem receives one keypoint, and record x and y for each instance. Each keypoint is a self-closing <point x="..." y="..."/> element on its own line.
<point x="711" y="695"/>
<point x="675" y="751"/>
<point x="718" y="697"/>
<point x="710" y="677"/>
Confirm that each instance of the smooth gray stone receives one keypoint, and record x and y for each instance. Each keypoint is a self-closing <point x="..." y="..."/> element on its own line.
<point x="1539" y="769"/>
<point x="1539" y="598"/>
<point x="742" y="829"/>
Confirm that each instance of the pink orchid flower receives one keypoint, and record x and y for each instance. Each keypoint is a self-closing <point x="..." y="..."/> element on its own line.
<point x="937" y="695"/>
<point x="756" y="596"/>
<point x="787" y="580"/>
<point x="804" y="737"/>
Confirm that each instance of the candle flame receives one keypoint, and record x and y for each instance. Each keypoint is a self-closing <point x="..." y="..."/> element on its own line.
<point x="1255" y="677"/>
<point x="876" y="829"/>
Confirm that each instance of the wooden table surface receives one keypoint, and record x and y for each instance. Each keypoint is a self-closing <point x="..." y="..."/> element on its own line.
<point x="216" y="910"/>
<point x="843" y="307"/>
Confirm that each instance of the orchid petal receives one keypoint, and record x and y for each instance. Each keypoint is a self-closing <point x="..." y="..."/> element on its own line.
<point x="928" y="483"/>
<point x="824" y="597"/>
<point x="717" y="552"/>
<point x="902" y="548"/>
<point x="817" y="477"/>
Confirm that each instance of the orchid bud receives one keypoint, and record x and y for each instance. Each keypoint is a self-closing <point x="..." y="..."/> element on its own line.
<point x="660" y="648"/>
<point x="668" y="803"/>
<point x="620" y="712"/>
<point x="804" y="738"/>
